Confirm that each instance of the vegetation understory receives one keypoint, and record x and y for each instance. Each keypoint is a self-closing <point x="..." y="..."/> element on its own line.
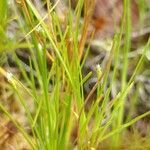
<point x="74" y="74"/>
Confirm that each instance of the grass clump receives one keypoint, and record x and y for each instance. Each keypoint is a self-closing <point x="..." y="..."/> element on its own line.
<point x="52" y="77"/>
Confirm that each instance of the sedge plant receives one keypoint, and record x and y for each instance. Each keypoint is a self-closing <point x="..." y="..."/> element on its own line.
<point x="54" y="82"/>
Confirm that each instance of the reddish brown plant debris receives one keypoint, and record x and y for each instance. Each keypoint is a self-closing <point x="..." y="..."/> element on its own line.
<point x="108" y="14"/>
<point x="10" y="137"/>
